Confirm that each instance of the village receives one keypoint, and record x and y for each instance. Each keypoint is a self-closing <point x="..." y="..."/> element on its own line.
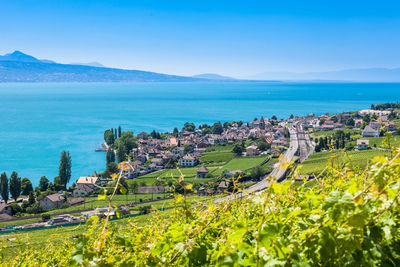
<point x="210" y="160"/>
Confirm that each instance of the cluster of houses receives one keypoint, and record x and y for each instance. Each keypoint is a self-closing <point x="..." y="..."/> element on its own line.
<point x="153" y="154"/>
<point x="325" y="122"/>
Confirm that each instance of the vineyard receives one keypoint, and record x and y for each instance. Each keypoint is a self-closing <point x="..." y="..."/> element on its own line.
<point x="346" y="218"/>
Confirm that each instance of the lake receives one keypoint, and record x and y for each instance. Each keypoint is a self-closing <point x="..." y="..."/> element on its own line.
<point x="38" y="121"/>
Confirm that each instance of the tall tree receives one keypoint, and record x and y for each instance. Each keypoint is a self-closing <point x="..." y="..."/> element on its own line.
<point x="119" y="131"/>
<point x="110" y="156"/>
<point x="26" y="186"/>
<point x="31" y="199"/>
<point x="64" y="171"/>
<point x="15" y="185"/>
<point x="4" y="186"/>
<point x="109" y="137"/>
<point x="43" y="183"/>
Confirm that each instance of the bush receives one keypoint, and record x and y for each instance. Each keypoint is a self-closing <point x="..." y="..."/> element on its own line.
<point x="45" y="217"/>
<point x="145" y="209"/>
<point x="35" y="209"/>
<point x="15" y="208"/>
<point x="64" y="206"/>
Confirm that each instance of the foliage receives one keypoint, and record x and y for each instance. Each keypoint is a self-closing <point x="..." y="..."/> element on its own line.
<point x="346" y="218"/>
<point x="145" y="209"/>
<point x="217" y="128"/>
<point x="4" y="191"/>
<point x="26" y="186"/>
<point x="109" y="137"/>
<point x="110" y="156"/>
<point x="15" y="185"/>
<point x="64" y="170"/>
<point x="238" y="148"/>
<point x="190" y="127"/>
<point x="43" y="183"/>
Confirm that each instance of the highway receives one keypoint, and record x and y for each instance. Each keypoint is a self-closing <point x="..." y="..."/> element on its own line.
<point x="279" y="171"/>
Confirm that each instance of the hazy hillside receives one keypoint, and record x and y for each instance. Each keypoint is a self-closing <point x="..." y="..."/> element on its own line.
<point x="19" y="67"/>
<point x="213" y="76"/>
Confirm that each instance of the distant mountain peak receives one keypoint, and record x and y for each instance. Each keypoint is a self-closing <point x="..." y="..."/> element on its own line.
<point x="19" y="56"/>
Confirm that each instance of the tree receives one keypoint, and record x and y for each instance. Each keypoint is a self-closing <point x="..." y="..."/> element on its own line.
<point x="125" y="145"/>
<point x="274" y="118"/>
<point x="4" y="187"/>
<point x="237" y="149"/>
<point x="133" y="187"/>
<point x="26" y="186"/>
<point x="64" y="170"/>
<point x="119" y="131"/>
<point x="31" y="198"/>
<point x="15" y="185"/>
<point x="217" y="128"/>
<point x="257" y="173"/>
<point x="350" y="122"/>
<point x="366" y="118"/>
<point x="110" y="156"/>
<point x="109" y="137"/>
<point x="262" y="145"/>
<point x="43" y="183"/>
<point x="291" y="116"/>
<point x="175" y="133"/>
<point x="112" y="167"/>
<point x="190" y="127"/>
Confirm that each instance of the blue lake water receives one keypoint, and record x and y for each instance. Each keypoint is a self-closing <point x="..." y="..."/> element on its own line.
<point x="38" y="121"/>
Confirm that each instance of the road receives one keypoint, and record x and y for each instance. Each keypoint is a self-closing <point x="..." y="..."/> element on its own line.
<point x="305" y="145"/>
<point x="279" y="171"/>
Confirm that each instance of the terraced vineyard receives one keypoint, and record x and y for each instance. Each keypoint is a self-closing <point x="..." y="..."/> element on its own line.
<point x="317" y="162"/>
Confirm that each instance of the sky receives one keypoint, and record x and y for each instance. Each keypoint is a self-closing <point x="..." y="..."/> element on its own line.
<point x="234" y="38"/>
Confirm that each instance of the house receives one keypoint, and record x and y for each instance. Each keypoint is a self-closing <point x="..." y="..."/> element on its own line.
<point x="252" y="151"/>
<point x="189" y="161"/>
<point x="150" y="189"/>
<point x="362" y="144"/>
<point x="370" y="132"/>
<point x="82" y="190"/>
<point x="76" y="201"/>
<point x="157" y="161"/>
<point x="391" y="126"/>
<point x="5" y="209"/>
<point x="199" y="151"/>
<point x="202" y="172"/>
<point x="180" y="151"/>
<point x="90" y="181"/>
<point x="52" y="201"/>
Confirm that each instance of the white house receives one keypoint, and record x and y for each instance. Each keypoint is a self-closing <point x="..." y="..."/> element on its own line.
<point x="189" y="161"/>
<point x="370" y="131"/>
<point x="362" y="144"/>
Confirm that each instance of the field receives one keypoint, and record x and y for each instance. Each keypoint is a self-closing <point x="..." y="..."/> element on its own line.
<point x="317" y="162"/>
<point x="243" y="163"/>
<point x="216" y="158"/>
<point x="40" y="238"/>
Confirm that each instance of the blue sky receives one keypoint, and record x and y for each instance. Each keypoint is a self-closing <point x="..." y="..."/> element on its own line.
<point x="236" y="38"/>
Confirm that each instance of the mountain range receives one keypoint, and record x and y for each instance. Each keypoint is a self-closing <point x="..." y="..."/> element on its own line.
<point x="20" y="67"/>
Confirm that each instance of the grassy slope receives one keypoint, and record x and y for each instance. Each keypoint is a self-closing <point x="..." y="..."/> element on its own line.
<point x="317" y="162"/>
